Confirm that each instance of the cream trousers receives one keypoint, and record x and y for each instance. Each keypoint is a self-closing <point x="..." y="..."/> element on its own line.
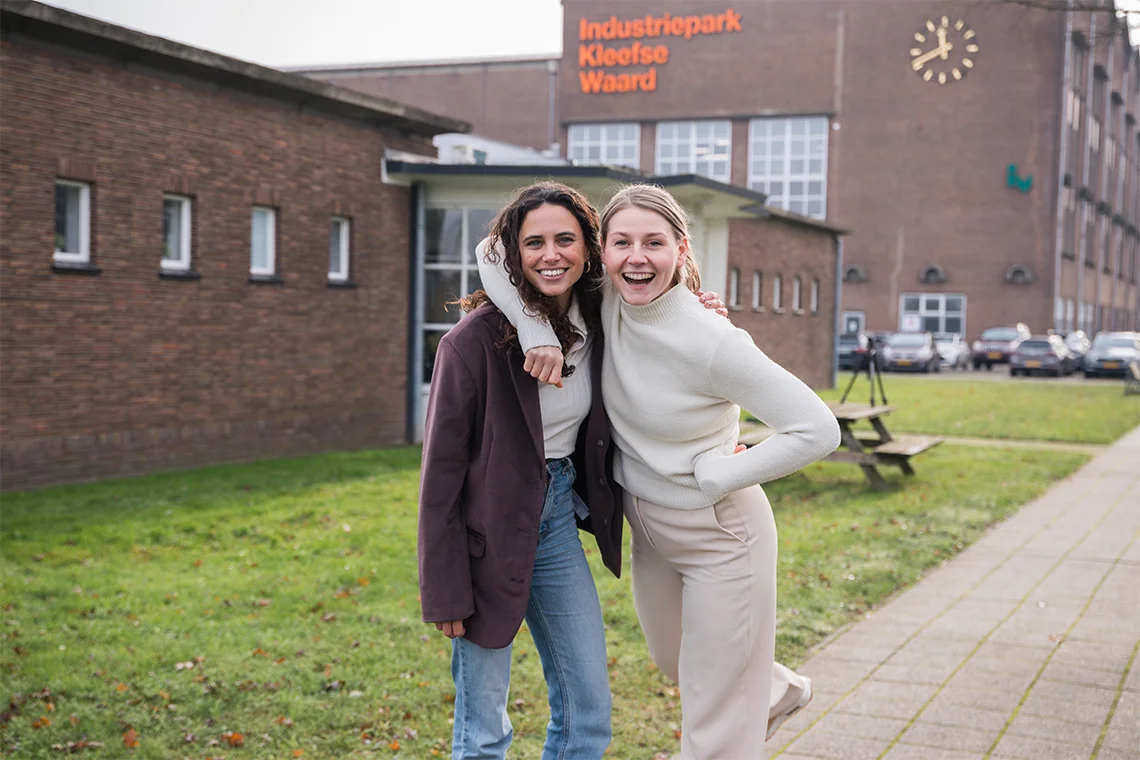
<point x="704" y="587"/>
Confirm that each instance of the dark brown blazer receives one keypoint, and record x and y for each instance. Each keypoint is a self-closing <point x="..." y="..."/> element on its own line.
<point x="483" y="481"/>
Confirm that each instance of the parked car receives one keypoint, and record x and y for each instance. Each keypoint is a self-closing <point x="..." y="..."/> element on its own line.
<point x="1043" y="353"/>
<point x="1078" y="342"/>
<point x="997" y="344"/>
<point x="1111" y="353"/>
<point x="852" y="351"/>
<point x="953" y="350"/>
<point x="911" y="352"/>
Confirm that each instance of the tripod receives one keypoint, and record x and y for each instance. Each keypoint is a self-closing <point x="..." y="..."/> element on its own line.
<point x="871" y="363"/>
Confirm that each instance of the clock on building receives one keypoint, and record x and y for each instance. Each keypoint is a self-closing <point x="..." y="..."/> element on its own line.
<point x="945" y="50"/>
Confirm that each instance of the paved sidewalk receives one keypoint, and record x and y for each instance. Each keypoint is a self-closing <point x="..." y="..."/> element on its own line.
<point x="1024" y="647"/>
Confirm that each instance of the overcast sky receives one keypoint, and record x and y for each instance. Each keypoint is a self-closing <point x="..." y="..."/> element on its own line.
<point x="313" y="32"/>
<point x="304" y="32"/>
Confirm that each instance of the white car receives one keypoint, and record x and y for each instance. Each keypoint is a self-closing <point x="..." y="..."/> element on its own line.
<point x="953" y="350"/>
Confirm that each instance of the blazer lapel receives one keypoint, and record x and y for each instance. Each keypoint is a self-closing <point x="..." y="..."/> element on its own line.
<point x="527" y="389"/>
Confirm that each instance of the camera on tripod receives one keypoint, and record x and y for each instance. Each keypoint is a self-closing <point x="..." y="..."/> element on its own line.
<point x="868" y="361"/>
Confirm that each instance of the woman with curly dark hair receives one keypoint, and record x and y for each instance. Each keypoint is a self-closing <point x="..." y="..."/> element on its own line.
<point x="511" y="469"/>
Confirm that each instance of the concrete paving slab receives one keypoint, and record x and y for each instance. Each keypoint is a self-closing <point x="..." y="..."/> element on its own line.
<point x="950" y="737"/>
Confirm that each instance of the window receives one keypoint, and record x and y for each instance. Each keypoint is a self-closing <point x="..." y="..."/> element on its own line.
<point x="450" y="270"/>
<point x="610" y="144"/>
<point x="339" y="240"/>
<point x="695" y="147"/>
<point x="814" y="298"/>
<point x="854" y="321"/>
<point x="734" y="288"/>
<point x="777" y="293"/>
<point x="263" y="241"/>
<point x="175" y="233"/>
<point x="797" y="295"/>
<point x="72" y="222"/>
<point x="787" y="160"/>
<point x="932" y="312"/>
<point x="757" y="291"/>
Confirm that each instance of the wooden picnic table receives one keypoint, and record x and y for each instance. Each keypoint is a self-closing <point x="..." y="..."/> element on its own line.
<point x="868" y="449"/>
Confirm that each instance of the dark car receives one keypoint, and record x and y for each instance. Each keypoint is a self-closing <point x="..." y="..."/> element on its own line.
<point x="997" y="345"/>
<point x="913" y="352"/>
<point x="1047" y="354"/>
<point x="1111" y="354"/>
<point x="854" y="348"/>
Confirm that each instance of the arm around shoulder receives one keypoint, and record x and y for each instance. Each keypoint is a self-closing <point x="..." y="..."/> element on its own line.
<point x="497" y="283"/>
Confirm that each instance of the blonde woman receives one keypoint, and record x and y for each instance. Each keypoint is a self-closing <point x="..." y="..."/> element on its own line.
<point x="674" y="378"/>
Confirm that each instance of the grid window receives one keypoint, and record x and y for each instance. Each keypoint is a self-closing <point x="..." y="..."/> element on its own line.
<point x="340" y="236"/>
<point x="787" y="160"/>
<point x="176" y="233"/>
<point x="797" y="294"/>
<point x="814" y="298"/>
<point x="72" y="222"/>
<point x="263" y="241"/>
<point x="608" y="144"/>
<point x="757" y="291"/>
<point x="695" y="147"/>
<point x="932" y="312"/>
<point x="778" y="292"/>
<point x="450" y="270"/>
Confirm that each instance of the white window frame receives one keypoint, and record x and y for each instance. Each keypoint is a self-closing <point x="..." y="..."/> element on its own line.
<point x="814" y="296"/>
<point x="762" y="178"/>
<point x="83" y="255"/>
<point x="711" y="148"/>
<point x="861" y="316"/>
<point x="343" y="225"/>
<point x="611" y="138"/>
<point x="182" y="263"/>
<point x="271" y="242"/>
<point x="757" y="291"/>
<point x="778" y="293"/>
<point x="734" y="288"/>
<point x="941" y="313"/>
<point x="797" y="295"/>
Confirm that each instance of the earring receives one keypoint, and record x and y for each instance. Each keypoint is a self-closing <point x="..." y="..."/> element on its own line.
<point x="589" y="264"/>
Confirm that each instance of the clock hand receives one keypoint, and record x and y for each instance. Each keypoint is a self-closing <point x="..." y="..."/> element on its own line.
<point x="942" y="43"/>
<point x="917" y="63"/>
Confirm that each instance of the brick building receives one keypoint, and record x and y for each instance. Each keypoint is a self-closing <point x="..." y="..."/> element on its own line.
<point x="192" y="312"/>
<point x="203" y="260"/>
<point x="984" y="154"/>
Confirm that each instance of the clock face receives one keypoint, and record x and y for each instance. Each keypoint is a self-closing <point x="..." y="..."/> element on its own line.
<point x="944" y="51"/>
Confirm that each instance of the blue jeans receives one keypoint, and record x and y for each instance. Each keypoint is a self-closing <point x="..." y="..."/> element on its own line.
<point x="565" y="619"/>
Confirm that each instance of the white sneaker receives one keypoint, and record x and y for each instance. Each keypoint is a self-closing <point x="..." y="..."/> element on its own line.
<point x="777" y="720"/>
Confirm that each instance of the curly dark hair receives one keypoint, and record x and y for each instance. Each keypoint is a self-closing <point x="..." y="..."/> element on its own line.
<point x="504" y="237"/>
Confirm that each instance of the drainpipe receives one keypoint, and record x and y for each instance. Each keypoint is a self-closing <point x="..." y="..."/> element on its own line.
<point x="837" y="311"/>
<point x="552" y="104"/>
<point x="416" y="315"/>
<point x="1103" y="250"/>
<point x="1059" y="318"/>
<point x="1085" y="181"/>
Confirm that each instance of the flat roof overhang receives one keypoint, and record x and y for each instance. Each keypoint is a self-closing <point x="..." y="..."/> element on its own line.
<point x="708" y="197"/>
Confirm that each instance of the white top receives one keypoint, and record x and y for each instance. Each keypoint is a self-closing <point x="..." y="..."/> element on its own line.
<point x="674" y="377"/>
<point x="563" y="409"/>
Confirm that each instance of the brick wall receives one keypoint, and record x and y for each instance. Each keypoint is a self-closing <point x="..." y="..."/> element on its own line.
<point x="801" y="343"/>
<point x="124" y="372"/>
<point x="502" y="101"/>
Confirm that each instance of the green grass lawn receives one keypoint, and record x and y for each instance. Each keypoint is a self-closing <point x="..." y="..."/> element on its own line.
<point x="290" y="586"/>
<point x="1093" y="412"/>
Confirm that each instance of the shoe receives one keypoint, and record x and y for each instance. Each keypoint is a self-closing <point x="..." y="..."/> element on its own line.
<point x="775" y="721"/>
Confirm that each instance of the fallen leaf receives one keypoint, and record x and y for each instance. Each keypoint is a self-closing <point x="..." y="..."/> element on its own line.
<point x="362" y="581"/>
<point x="120" y="686"/>
<point x="298" y="752"/>
<point x="234" y="739"/>
<point x="42" y="722"/>
<point x="259" y="652"/>
<point x="395" y="745"/>
<point x="130" y="738"/>
<point x="283" y="721"/>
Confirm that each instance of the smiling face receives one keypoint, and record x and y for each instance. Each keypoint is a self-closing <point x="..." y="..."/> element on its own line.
<point x="642" y="254"/>
<point x="553" y="251"/>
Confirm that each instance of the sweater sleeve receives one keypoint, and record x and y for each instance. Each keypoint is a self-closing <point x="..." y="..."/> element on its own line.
<point x="805" y="428"/>
<point x="533" y="331"/>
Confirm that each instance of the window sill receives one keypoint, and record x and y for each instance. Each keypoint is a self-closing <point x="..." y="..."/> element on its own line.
<point x="266" y="279"/>
<point x="67" y="267"/>
<point x="759" y="309"/>
<point x="1090" y="264"/>
<point x="342" y="284"/>
<point x="778" y="310"/>
<point x="734" y="307"/>
<point x="1069" y="256"/>
<point x="798" y="312"/>
<point x="179" y="274"/>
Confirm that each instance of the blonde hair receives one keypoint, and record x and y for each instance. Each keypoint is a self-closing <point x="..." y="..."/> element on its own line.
<point x="658" y="200"/>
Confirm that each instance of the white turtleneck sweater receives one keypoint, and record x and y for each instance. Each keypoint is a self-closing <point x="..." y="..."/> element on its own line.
<point x="674" y="378"/>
